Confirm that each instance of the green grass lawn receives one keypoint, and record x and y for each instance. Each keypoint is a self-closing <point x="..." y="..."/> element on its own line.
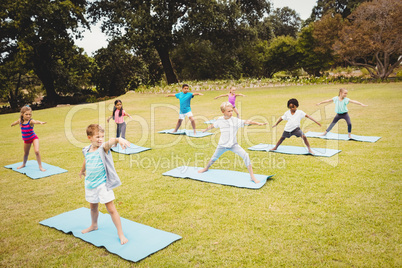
<point x="343" y="211"/>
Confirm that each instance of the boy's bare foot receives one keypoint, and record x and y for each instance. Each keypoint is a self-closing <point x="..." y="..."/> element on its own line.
<point x="123" y="239"/>
<point x="323" y="134"/>
<point x="273" y="149"/>
<point x="311" y="152"/>
<point x="202" y="170"/>
<point x="21" y="166"/>
<point x="42" y="169"/>
<point x="90" y="229"/>
<point x="254" y="179"/>
<point x="350" y="136"/>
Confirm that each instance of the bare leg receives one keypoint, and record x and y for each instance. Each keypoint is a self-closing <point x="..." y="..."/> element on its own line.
<point x="250" y="170"/>
<point x="277" y="144"/>
<point x="237" y="112"/>
<point x="307" y="144"/>
<point x="178" y="125"/>
<point x="27" y="147"/>
<point x="94" y="219"/>
<point x="193" y="124"/>
<point x="116" y="220"/>
<point x="218" y="152"/>
<point x="38" y="158"/>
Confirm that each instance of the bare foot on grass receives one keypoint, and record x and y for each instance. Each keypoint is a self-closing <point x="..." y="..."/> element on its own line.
<point x="202" y="170"/>
<point x="123" y="239"/>
<point x="90" y="229"/>
<point x="21" y="166"/>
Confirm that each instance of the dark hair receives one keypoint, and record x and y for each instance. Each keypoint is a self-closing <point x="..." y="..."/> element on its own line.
<point x="114" y="108"/>
<point x="294" y="102"/>
<point x="185" y="85"/>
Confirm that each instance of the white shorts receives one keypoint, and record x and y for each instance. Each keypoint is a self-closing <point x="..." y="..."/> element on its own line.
<point x="99" y="194"/>
<point x="182" y="116"/>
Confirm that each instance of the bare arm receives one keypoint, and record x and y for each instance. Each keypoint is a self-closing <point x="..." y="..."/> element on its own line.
<point x="359" y="103"/>
<point x="208" y="128"/>
<point x="114" y="141"/>
<point x="109" y="118"/>
<point x="15" y="123"/>
<point x="326" y="101"/>
<point x="277" y="122"/>
<point x="249" y="122"/>
<point x="241" y="95"/>
<point x="312" y="119"/>
<point x="82" y="172"/>
<point x="37" y="122"/>
<point x="127" y="114"/>
<point x="220" y="96"/>
<point x="171" y="95"/>
<point x="197" y="94"/>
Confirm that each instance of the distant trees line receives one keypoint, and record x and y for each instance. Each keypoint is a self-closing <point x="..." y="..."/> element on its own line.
<point x="186" y="40"/>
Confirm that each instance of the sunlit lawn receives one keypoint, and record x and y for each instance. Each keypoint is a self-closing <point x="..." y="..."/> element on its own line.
<point x="340" y="211"/>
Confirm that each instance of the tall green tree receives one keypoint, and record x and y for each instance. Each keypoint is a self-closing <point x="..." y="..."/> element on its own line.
<point x="372" y="38"/>
<point x="285" y="21"/>
<point x="41" y="32"/>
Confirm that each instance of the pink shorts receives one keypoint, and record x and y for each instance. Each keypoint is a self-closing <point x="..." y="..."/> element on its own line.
<point x="31" y="140"/>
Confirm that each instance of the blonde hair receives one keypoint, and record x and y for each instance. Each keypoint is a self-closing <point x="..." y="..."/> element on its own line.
<point x="93" y="128"/>
<point x="341" y="90"/>
<point x="230" y="89"/>
<point x="23" y="111"/>
<point x="224" y="105"/>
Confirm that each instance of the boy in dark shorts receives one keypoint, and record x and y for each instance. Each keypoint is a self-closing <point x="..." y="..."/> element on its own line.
<point x="292" y="127"/>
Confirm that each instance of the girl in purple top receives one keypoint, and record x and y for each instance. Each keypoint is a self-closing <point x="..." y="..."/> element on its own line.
<point x="28" y="135"/>
<point x="232" y="99"/>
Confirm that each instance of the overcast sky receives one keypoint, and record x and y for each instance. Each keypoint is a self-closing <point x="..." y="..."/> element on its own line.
<point x="95" y="39"/>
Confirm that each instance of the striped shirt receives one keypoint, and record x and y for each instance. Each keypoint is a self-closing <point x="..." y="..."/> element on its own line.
<point x="95" y="170"/>
<point x="27" y="131"/>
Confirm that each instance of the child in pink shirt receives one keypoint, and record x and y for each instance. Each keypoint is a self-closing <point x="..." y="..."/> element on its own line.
<point x="118" y="116"/>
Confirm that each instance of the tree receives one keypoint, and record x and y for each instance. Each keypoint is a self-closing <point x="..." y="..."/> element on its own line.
<point x="342" y="7"/>
<point x="285" y="21"/>
<point x="372" y="39"/>
<point x="40" y="32"/>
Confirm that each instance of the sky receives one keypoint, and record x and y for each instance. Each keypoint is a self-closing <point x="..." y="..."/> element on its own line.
<point x="95" y="39"/>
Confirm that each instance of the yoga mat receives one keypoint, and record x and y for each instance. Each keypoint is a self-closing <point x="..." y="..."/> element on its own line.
<point x="285" y="149"/>
<point x="133" y="149"/>
<point x="189" y="133"/>
<point x="218" y="176"/>
<point x="142" y="239"/>
<point x="210" y="121"/>
<point x="31" y="169"/>
<point x="343" y="137"/>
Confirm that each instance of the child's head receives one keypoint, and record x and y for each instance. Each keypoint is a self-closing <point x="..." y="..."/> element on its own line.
<point x="185" y="88"/>
<point x="95" y="134"/>
<point x="232" y="90"/>
<point x="293" y="104"/>
<point x="343" y="92"/>
<point x="26" y="113"/>
<point x="227" y="109"/>
<point x="118" y="105"/>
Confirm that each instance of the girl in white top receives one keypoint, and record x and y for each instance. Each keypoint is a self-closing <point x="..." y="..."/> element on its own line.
<point x="292" y="127"/>
<point x="228" y="142"/>
<point x="341" y="110"/>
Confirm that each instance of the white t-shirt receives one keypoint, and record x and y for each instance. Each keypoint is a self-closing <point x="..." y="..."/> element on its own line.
<point x="229" y="129"/>
<point x="293" y="119"/>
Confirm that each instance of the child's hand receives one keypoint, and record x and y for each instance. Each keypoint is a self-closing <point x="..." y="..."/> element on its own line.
<point x="274" y="126"/>
<point x="43" y="123"/>
<point x="215" y="98"/>
<point x="262" y="124"/>
<point x="124" y="143"/>
<point x="82" y="173"/>
<point x="318" y="124"/>
<point x="364" y="105"/>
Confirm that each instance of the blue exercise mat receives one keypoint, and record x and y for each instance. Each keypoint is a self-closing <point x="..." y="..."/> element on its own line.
<point x="210" y="121"/>
<point x="343" y="137"/>
<point x="142" y="239"/>
<point x="218" y="176"/>
<point x="285" y="149"/>
<point x="189" y="133"/>
<point x="31" y="169"/>
<point x="133" y="149"/>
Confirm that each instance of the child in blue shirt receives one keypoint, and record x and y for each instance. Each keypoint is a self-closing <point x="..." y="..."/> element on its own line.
<point x="101" y="177"/>
<point x="185" y="109"/>
<point x="341" y="110"/>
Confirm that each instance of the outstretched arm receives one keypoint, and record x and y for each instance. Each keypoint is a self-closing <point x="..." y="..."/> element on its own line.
<point x="127" y="114"/>
<point x="277" y="122"/>
<point x="326" y="101"/>
<point x="171" y="95"/>
<point x="15" y="123"/>
<point x="208" y="128"/>
<point x="359" y="103"/>
<point x="312" y="119"/>
<point x="82" y="172"/>
<point x="220" y="96"/>
<point x="249" y="122"/>
<point x="114" y="141"/>
<point x="109" y="118"/>
<point x="195" y="94"/>
<point x="241" y="95"/>
<point x="37" y="122"/>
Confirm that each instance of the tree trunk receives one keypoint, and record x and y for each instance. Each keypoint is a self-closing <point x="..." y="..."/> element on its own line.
<point x="167" y="65"/>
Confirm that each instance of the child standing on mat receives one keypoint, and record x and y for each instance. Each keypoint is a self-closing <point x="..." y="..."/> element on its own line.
<point x="341" y="110"/>
<point x="232" y="98"/>
<point x="28" y="135"/>
<point x="101" y="177"/>
<point x="185" y="110"/>
<point x="118" y="116"/>
<point x="292" y="127"/>
<point x="228" y="142"/>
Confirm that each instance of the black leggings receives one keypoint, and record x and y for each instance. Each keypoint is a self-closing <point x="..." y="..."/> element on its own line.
<point x="339" y="117"/>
